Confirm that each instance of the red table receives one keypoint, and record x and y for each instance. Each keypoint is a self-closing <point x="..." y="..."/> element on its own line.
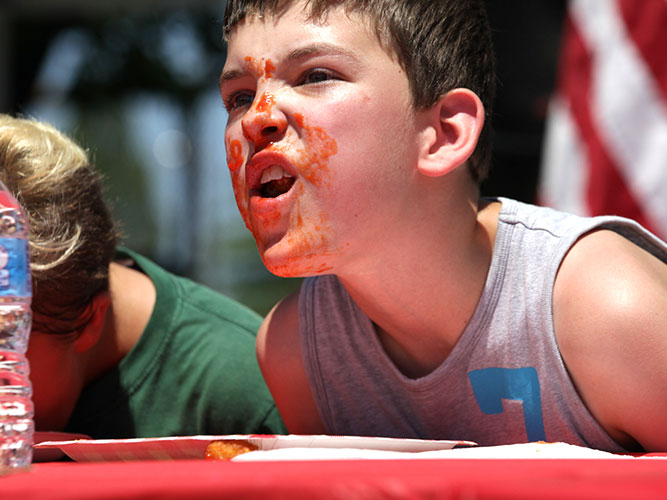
<point x="436" y="479"/>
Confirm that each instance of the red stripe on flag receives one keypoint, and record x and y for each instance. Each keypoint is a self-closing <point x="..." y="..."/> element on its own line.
<point x="607" y="193"/>
<point x="646" y="22"/>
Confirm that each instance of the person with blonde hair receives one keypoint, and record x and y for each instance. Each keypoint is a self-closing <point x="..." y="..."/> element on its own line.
<point x="119" y="347"/>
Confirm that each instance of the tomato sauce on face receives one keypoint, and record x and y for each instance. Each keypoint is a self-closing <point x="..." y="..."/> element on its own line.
<point x="307" y="236"/>
<point x="267" y="219"/>
<point x="308" y="244"/>
<point x="255" y="66"/>
<point x="265" y="103"/>
<point x="269" y="68"/>
<point x="313" y="163"/>
<point x="263" y="69"/>
<point x="235" y="161"/>
<point x="234" y="155"/>
<point x="241" y="197"/>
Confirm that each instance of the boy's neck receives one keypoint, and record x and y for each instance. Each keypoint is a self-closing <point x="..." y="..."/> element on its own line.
<point x="420" y="306"/>
<point x="132" y="301"/>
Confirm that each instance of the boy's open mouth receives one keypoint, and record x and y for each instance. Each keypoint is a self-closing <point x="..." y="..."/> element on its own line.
<point x="275" y="181"/>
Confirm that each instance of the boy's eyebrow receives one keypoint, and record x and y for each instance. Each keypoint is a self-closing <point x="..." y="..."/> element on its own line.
<point x="228" y="75"/>
<point x="321" y="48"/>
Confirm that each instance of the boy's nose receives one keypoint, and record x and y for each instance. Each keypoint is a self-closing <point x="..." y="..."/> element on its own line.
<point x="263" y="123"/>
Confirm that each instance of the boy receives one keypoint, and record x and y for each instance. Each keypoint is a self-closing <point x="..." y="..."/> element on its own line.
<point x="356" y="140"/>
<point x="119" y="347"/>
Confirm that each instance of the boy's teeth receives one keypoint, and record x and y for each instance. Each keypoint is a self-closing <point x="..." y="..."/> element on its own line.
<point x="274" y="172"/>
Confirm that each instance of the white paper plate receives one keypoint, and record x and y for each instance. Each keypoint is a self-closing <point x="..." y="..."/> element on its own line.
<point x="188" y="447"/>
<point x="536" y="450"/>
<point x="49" y="454"/>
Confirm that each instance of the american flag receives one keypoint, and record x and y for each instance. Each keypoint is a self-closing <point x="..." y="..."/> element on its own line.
<point x="605" y="148"/>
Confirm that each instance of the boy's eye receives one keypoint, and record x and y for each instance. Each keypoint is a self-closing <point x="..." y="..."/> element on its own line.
<point x="316" y="76"/>
<point x="238" y="100"/>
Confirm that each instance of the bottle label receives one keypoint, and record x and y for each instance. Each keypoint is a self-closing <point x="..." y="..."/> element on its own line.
<point x="14" y="268"/>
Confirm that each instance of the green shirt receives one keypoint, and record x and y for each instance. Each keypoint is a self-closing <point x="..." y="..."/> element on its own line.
<point x="193" y="371"/>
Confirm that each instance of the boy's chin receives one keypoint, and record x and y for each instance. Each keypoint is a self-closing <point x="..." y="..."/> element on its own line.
<point x="295" y="266"/>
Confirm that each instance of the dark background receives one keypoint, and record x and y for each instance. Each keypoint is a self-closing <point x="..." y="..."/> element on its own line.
<point x="122" y="63"/>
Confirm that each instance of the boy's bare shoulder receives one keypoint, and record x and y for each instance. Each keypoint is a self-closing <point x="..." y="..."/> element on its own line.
<point x="609" y="302"/>
<point x="279" y="357"/>
<point x="279" y="331"/>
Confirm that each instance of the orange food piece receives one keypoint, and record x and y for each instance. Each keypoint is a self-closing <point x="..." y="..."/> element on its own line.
<point x="226" y="449"/>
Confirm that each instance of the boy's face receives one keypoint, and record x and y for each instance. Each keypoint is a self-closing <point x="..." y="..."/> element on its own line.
<point x="55" y="386"/>
<point x="321" y="138"/>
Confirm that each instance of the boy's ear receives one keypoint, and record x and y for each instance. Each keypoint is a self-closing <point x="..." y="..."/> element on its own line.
<point x="93" y="330"/>
<point x="452" y="128"/>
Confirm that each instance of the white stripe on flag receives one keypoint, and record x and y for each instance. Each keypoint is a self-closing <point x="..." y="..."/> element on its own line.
<point x="628" y="109"/>
<point x="564" y="173"/>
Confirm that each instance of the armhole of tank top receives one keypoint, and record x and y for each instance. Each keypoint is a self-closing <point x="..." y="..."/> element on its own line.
<point x="557" y="261"/>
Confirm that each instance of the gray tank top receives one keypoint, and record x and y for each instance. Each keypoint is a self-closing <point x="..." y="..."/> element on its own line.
<point x="504" y="382"/>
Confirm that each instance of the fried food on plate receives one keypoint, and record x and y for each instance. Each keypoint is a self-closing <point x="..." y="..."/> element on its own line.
<point x="226" y="449"/>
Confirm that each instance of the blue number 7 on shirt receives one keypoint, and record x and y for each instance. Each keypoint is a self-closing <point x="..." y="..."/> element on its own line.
<point x="492" y="385"/>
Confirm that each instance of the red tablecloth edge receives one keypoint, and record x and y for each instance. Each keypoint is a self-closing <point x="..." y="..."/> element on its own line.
<point x="436" y="479"/>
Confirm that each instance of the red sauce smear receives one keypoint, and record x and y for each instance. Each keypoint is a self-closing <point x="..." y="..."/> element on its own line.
<point x="307" y="240"/>
<point x="265" y="103"/>
<point x="234" y="155"/>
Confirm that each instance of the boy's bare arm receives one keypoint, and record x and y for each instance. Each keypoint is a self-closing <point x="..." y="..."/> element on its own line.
<point x="279" y="357"/>
<point x="610" y="305"/>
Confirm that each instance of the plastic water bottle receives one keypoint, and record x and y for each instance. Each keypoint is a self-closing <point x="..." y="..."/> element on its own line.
<point x="16" y="407"/>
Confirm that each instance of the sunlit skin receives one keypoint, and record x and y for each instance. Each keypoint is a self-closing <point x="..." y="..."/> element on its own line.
<point x="292" y="105"/>
<point x="262" y="68"/>
<point x="235" y="161"/>
<point x="311" y="161"/>
<point x="314" y="162"/>
<point x="265" y="103"/>
<point x="395" y="215"/>
<point x="392" y="225"/>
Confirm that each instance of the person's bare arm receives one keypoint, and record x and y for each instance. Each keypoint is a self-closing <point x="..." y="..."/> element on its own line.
<point x="610" y="316"/>
<point x="279" y="356"/>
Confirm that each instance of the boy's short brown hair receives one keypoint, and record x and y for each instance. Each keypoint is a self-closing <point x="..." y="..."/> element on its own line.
<point x="441" y="45"/>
